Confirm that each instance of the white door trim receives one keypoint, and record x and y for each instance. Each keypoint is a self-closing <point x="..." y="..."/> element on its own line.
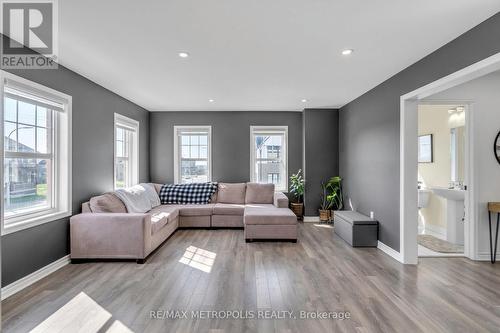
<point x="408" y="158"/>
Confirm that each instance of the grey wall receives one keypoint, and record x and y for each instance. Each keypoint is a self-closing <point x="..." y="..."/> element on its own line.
<point x="369" y="126"/>
<point x="321" y="153"/>
<point x="230" y="141"/>
<point x="26" y="251"/>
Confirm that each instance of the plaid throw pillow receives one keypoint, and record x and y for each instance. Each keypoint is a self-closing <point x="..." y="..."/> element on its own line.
<point x="197" y="193"/>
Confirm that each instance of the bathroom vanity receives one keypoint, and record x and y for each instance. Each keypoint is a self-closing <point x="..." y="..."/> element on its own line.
<point x="455" y="212"/>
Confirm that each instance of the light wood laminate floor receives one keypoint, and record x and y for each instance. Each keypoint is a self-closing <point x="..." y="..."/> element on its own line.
<point x="216" y="270"/>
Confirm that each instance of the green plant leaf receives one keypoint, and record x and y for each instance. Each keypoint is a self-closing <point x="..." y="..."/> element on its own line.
<point x="332" y="197"/>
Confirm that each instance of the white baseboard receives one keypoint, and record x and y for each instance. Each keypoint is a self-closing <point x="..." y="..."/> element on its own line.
<point x="311" y="219"/>
<point x="389" y="251"/>
<point x="485" y="256"/>
<point x="28" y="280"/>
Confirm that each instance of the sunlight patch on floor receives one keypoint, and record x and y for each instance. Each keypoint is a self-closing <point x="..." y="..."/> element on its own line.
<point x="80" y="314"/>
<point x="118" y="327"/>
<point x="326" y="226"/>
<point x="198" y="258"/>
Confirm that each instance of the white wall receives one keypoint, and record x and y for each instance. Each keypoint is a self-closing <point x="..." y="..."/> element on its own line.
<point x="485" y="95"/>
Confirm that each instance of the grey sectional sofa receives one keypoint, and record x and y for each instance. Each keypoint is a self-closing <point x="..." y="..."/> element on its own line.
<point x="105" y="230"/>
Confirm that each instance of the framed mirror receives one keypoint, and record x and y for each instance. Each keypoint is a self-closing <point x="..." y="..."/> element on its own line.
<point x="425" y="149"/>
<point x="496" y="147"/>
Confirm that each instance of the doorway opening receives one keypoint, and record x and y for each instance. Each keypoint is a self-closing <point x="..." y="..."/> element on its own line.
<point x="409" y="211"/>
<point x="442" y="182"/>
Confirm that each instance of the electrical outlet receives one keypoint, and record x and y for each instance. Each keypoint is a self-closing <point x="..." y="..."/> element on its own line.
<point x="372" y="215"/>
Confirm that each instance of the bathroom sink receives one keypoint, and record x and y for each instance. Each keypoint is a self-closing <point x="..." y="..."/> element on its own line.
<point x="450" y="194"/>
<point x="423" y="197"/>
<point x="455" y="213"/>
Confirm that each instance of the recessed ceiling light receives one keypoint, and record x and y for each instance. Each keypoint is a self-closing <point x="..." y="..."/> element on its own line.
<point x="183" y="54"/>
<point x="347" y="51"/>
<point x="211" y="100"/>
<point x="303" y="100"/>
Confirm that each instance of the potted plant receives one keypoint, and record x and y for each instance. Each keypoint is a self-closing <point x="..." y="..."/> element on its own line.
<point x="324" y="210"/>
<point x="331" y="198"/>
<point x="336" y="197"/>
<point x="297" y="189"/>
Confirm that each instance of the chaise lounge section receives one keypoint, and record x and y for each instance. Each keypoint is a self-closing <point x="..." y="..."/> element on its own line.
<point x="106" y="230"/>
<point x="265" y="222"/>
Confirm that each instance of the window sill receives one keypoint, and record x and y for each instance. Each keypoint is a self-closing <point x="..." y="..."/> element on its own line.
<point x="30" y="222"/>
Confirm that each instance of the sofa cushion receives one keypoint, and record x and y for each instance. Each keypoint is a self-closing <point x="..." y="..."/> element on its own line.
<point x="192" y="193"/>
<point x="227" y="221"/>
<point x="213" y="198"/>
<point x="107" y="203"/>
<point x="195" y="210"/>
<point x="269" y="216"/>
<point x="161" y="216"/>
<point x="157" y="187"/>
<point x="200" y="221"/>
<point x="138" y="198"/>
<point x="231" y="193"/>
<point x="259" y="193"/>
<point x="229" y="209"/>
<point x="280" y="200"/>
<point x="261" y="206"/>
<point x="170" y="211"/>
<point x="158" y="221"/>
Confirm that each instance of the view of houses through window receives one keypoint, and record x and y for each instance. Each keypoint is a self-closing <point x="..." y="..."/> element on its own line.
<point x="126" y="151"/>
<point x="269" y="156"/>
<point x="122" y="159"/>
<point x="37" y="147"/>
<point x="192" y="154"/>
<point x="28" y="162"/>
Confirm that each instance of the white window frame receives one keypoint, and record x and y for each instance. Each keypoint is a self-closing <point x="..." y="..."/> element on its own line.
<point x="133" y="125"/>
<point x="177" y="159"/>
<point x="62" y="156"/>
<point x="259" y="130"/>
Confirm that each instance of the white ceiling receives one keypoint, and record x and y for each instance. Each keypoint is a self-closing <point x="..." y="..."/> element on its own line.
<point x="254" y="54"/>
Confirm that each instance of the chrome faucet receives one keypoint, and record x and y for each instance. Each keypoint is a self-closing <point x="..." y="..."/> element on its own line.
<point x="453" y="185"/>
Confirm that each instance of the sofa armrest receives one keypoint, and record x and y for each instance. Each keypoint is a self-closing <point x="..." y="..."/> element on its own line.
<point x="110" y="235"/>
<point x="86" y="207"/>
<point x="280" y="200"/>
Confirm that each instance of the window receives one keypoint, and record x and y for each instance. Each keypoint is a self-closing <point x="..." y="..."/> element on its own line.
<point x="126" y="151"/>
<point x="192" y="151"/>
<point x="273" y="178"/>
<point x="453" y="154"/>
<point x="268" y="155"/>
<point x="273" y="151"/>
<point x="37" y="154"/>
